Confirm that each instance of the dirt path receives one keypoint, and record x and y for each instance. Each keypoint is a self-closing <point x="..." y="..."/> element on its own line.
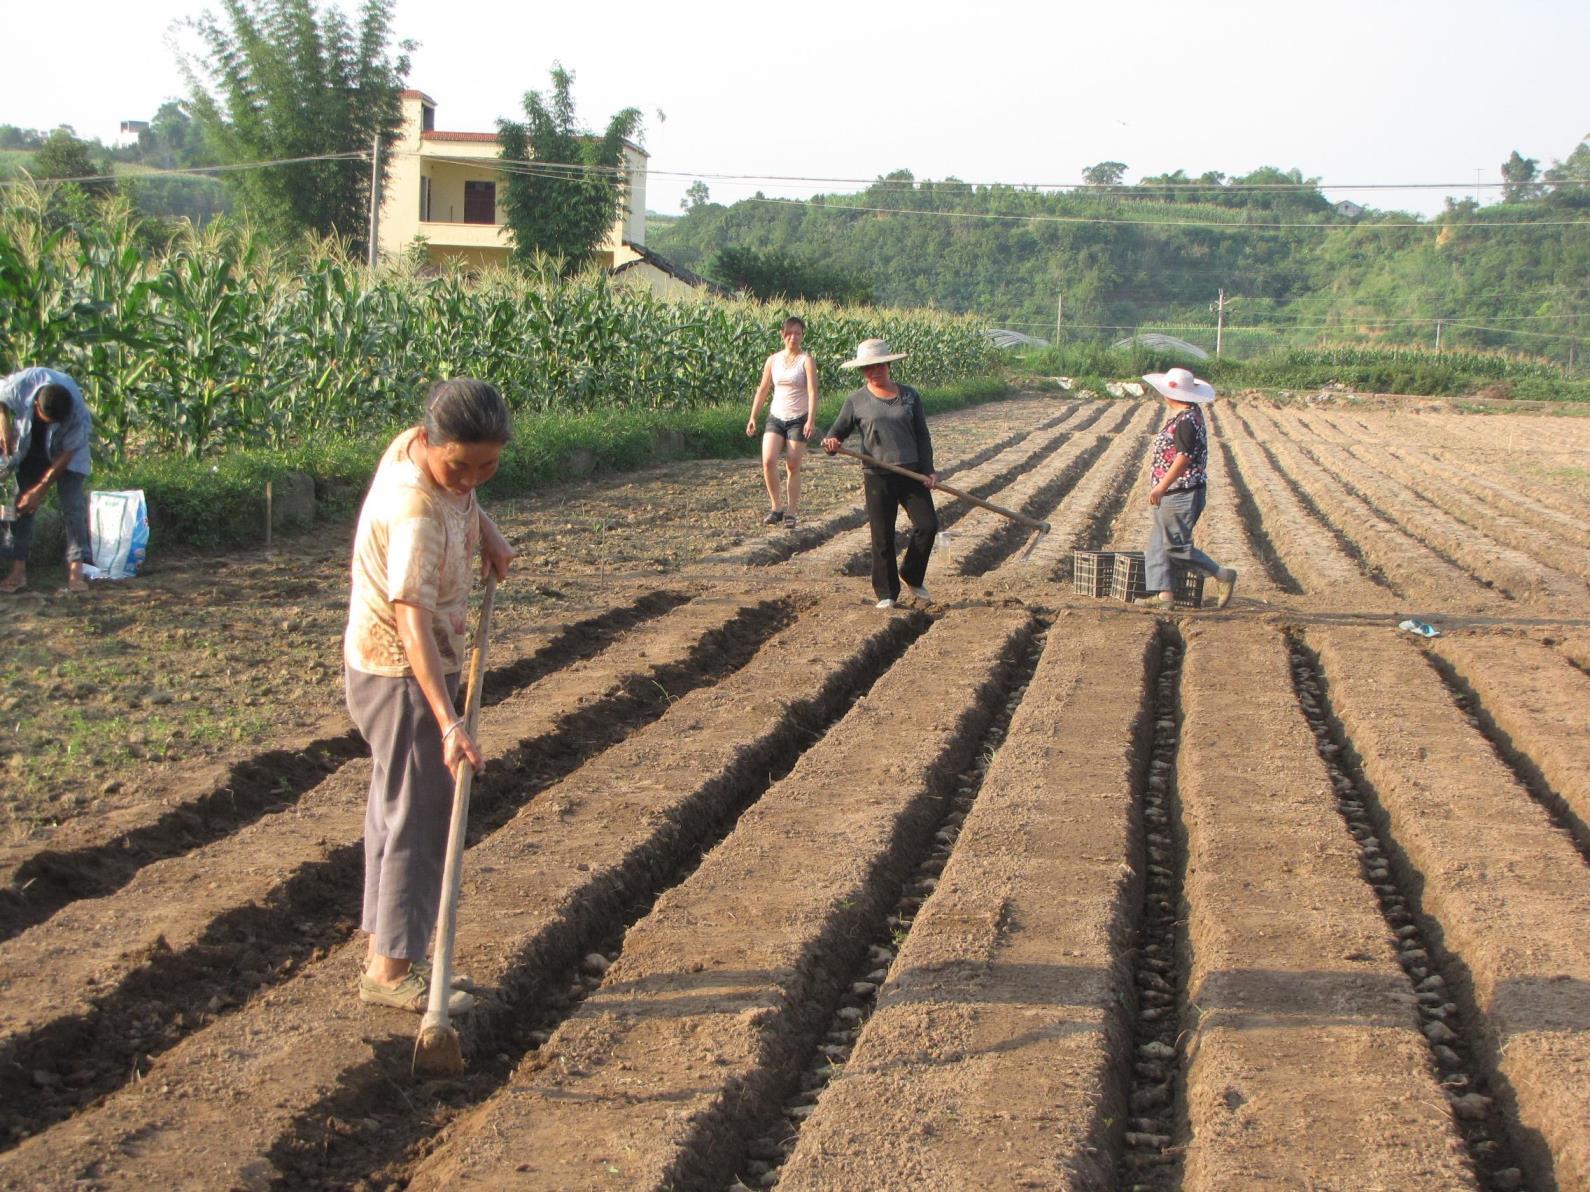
<point x="766" y="886"/>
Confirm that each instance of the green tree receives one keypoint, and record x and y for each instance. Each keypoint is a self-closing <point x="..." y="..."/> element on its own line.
<point x="64" y="156"/>
<point x="172" y="139"/>
<point x="695" y="196"/>
<point x="776" y="274"/>
<point x="564" y="209"/>
<point x="282" y="81"/>
<point x="1518" y="178"/>
<point x="1105" y="173"/>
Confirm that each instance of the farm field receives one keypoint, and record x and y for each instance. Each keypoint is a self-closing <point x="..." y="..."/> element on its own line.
<point x="767" y="887"/>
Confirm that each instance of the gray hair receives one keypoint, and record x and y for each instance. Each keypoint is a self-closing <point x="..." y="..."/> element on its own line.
<point x="463" y="410"/>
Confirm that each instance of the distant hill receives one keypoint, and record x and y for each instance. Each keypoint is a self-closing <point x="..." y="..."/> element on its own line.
<point x="1156" y="255"/>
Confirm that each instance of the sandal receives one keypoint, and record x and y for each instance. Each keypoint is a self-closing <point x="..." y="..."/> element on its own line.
<point x="791" y="521"/>
<point x="773" y="518"/>
<point x="412" y="993"/>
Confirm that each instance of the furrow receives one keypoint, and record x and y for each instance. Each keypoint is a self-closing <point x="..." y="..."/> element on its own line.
<point x="1239" y="505"/>
<point x="846" y="553"/>
<point x="1157" y="986"/>
<point x="1502" y="895"/>
<point x="984" y="539"/>
<point x="1298" y="1012"/>
<point x="257" y="1096"/>
<point x="714" y="992"/>
<point x="784" y="544"/>
<point x="1319" y="556"/>
<point x="1413" y="567"/>
<point x="92" y="859"/>
<point x="1445" y="1025"/>
<point x="1463" y="495"/>
<point x="1224" y="533"/>
<point x="198" y="934"/>
<point x="1088" y="510"/>
<point x="1534" y="708"/>
<point x="994" y="1054"/>
<point x="1424" y="519"/>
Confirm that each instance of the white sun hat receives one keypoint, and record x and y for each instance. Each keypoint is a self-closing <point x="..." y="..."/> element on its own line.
<point x="873" y="351"/>
<point x="1181" y="385"/>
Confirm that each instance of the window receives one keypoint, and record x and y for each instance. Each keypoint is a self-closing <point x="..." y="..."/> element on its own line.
<point x="425" y="200"/>
<point x="427" y="118"/>
<point x="480" y="202"/>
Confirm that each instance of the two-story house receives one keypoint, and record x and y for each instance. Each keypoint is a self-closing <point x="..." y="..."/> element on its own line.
<point x="445" y="187"/>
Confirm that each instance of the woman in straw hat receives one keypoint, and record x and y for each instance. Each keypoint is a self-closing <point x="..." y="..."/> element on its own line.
<point x="1179" y="466"/>
<point x="894" y="430"/>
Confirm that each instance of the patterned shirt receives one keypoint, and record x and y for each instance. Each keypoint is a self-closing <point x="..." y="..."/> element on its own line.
<point x="414" y="545"/>
<point x="1185" y="434"/>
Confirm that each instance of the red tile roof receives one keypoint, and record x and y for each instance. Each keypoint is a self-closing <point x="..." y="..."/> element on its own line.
<point x="483" y="138"/>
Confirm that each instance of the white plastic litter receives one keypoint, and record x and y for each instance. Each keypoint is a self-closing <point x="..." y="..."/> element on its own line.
<point x="118" y="528"/>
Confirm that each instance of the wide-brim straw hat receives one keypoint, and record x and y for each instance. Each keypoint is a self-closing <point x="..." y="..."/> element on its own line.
<point x="873" y="351"/>
<point x="1180" y="385"/>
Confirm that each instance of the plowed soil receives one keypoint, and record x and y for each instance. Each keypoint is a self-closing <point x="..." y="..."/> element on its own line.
<point x="765" y="886"/>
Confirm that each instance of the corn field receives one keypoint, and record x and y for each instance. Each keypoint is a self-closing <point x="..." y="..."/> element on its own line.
<point x="223" y="341"/>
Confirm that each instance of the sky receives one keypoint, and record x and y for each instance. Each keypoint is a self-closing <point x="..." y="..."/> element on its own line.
<point x="1406" y="91"/>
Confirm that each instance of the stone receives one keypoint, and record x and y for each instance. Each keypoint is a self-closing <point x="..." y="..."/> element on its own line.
<point x="1439" y="1032"/>
<point x="292" y="501"/>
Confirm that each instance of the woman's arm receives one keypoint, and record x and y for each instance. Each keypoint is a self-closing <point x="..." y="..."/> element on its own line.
<point x="495" y="553"/>
<point x="419" y="644"/>
<point x="924" y="440"/>
<point x="843" y="425"/>
<point x="763" y="388"/>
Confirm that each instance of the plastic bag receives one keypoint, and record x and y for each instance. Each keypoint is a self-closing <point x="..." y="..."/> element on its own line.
<point x="118" y="528"/>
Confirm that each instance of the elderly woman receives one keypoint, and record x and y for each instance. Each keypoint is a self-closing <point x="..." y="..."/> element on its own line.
<point x="791" y="376"/>
<point x="894" y="430"/>
<point x="418" y="532"/>
<point x="1178" y="474"/>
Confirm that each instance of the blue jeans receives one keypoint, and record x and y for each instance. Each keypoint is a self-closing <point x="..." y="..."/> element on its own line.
<point x="71" y="490"/>
<point x="1170" y="546"/>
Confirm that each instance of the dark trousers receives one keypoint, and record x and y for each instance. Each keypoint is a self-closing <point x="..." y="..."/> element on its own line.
<point x="71" y="492"/>
<point x="886" y="493"/>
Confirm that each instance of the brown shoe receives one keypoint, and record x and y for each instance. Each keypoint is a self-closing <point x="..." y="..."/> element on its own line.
<point x="411" y="993"/>
<point x="1155" y="600"/>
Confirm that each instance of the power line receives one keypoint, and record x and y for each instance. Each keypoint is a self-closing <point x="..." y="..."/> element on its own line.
<point x="195" y="171"/>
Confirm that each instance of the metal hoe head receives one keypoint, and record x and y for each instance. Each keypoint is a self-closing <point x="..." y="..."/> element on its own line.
<point x="1038" y="536"/>
<point x="436" y="1051"/>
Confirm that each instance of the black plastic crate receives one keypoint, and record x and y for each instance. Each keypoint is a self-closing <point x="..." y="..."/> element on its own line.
<point x="1126" y="581"/>
<point x="1091" y="571"/>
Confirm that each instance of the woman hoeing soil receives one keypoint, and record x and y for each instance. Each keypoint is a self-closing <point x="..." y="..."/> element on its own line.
<point x="418" y="531"/>
<point x="894" y="430"/>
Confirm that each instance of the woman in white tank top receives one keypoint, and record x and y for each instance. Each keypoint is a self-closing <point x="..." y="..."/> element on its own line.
<point x="791" y="376"/>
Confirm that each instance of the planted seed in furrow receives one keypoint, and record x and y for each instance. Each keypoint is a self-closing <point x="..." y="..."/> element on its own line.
<point x="1300" y="1024"/>
<point x="1503" y="894"/>
<point x="994" y="1057"/>
<point x="309" y="1041"/>
<point x="693" y="1032"/>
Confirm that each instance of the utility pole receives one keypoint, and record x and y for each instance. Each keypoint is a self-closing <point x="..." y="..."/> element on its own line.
<point x="1059" y="317"/>
<point x="1438" y="337"/>
<point x="374" y="254"/>
<point x="1220" y="321"/>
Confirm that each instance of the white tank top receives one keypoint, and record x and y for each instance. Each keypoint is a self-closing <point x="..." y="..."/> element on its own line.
<point x="790" y="398"/>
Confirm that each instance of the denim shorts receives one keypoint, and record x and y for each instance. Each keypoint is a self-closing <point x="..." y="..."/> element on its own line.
<point x="793" y="429"/>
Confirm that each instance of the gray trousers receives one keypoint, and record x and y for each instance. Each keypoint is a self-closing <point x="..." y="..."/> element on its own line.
<point x="1170" y="547"/>
<point x="407" y="814"/>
